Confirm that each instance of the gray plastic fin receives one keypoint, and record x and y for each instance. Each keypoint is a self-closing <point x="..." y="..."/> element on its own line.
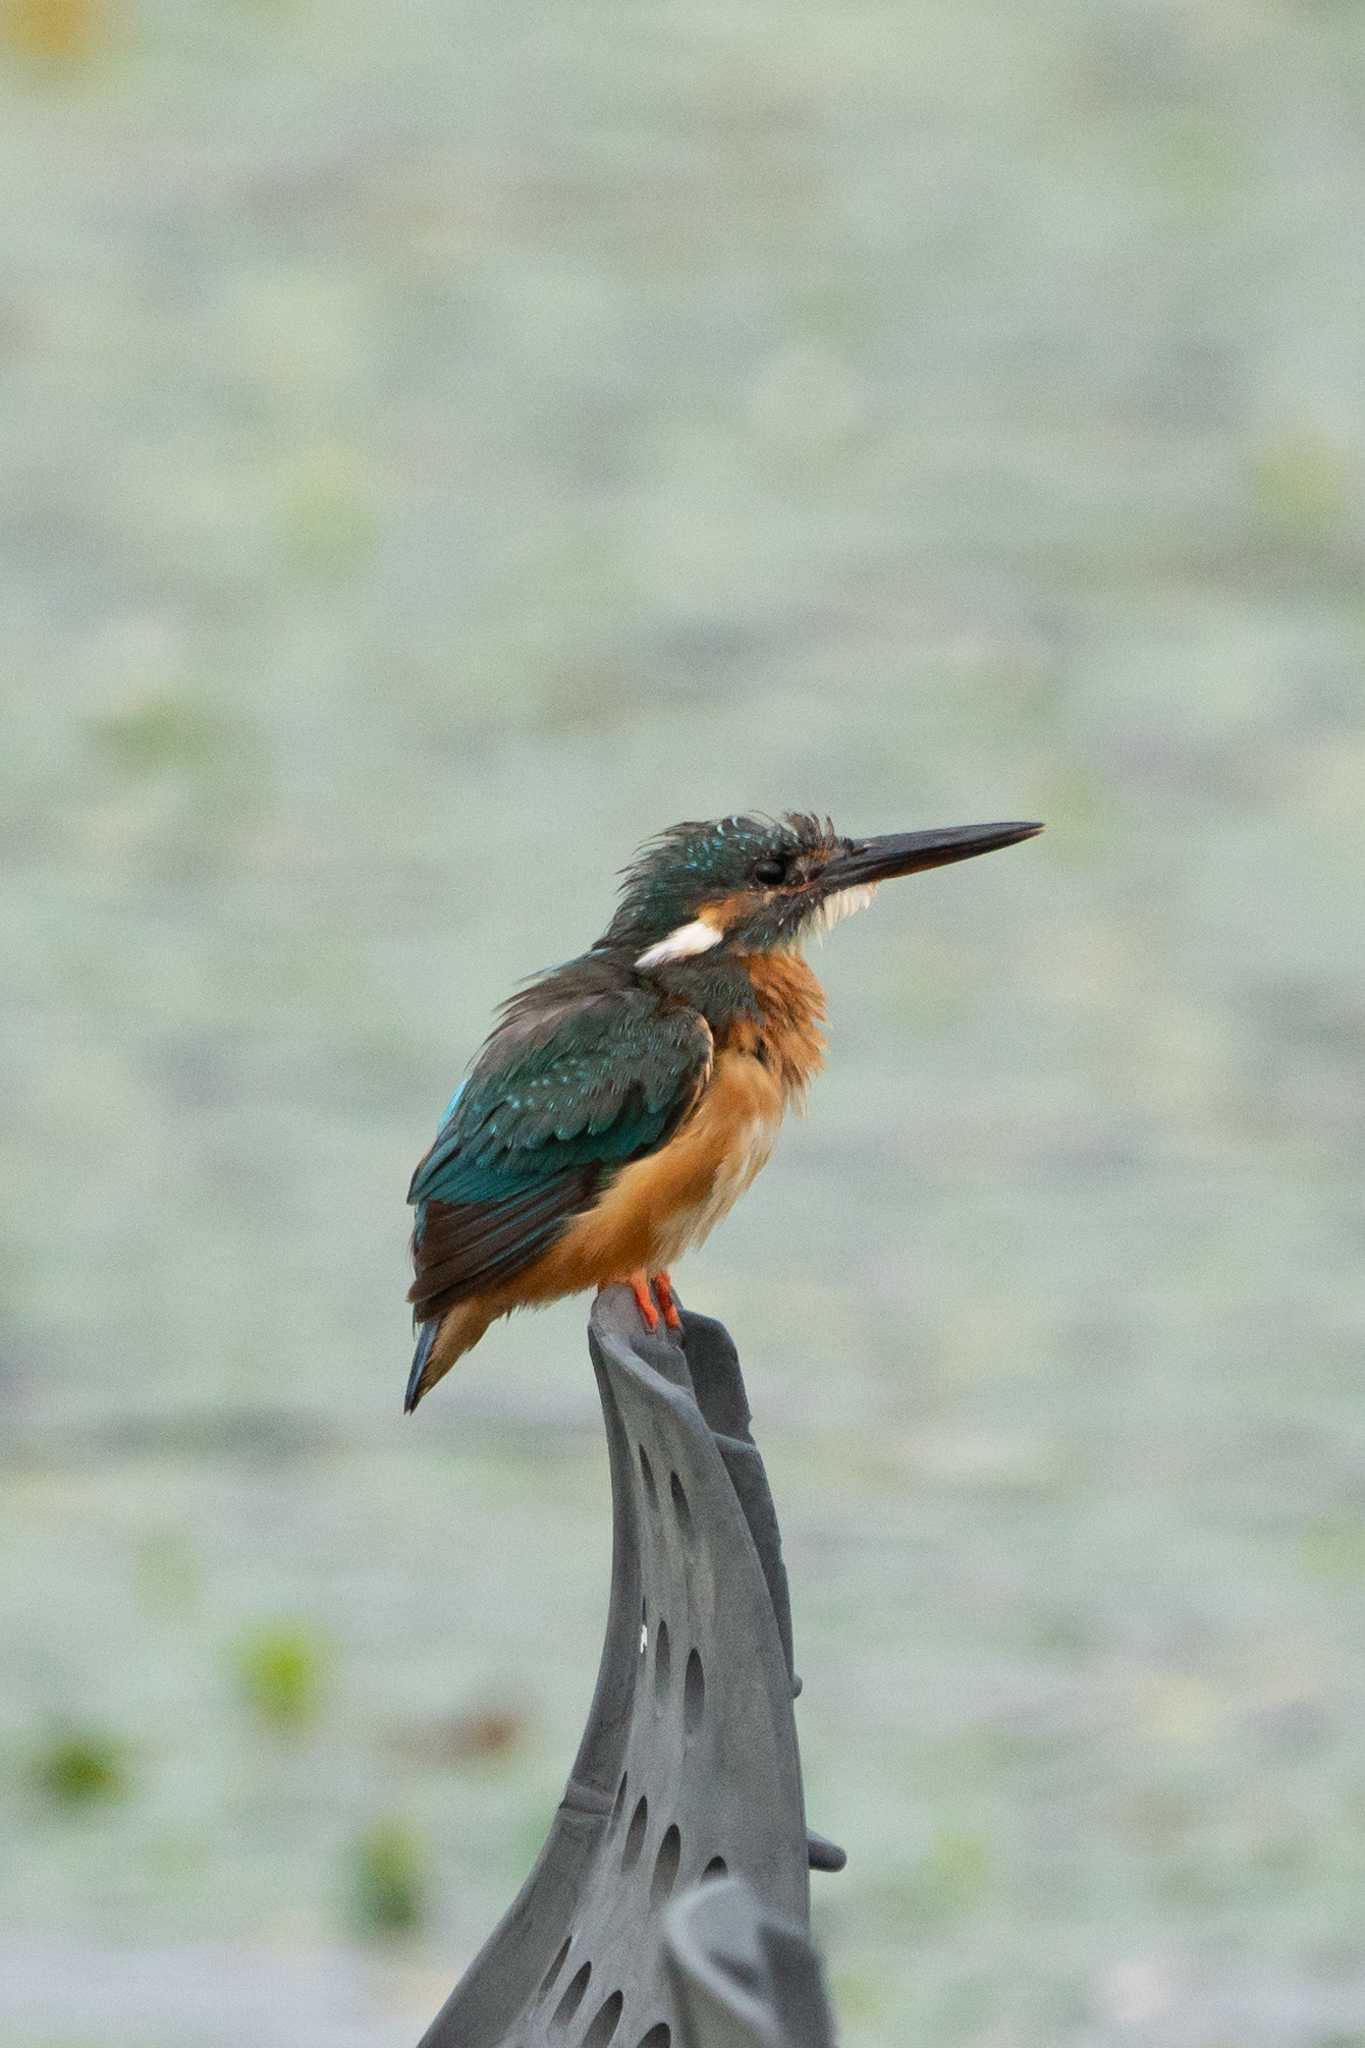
<point x="688" y="1770"/>
<point x="824" y="1854"/>
<point x="743" y="1977"/>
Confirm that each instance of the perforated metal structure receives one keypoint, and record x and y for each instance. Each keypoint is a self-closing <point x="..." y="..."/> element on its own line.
<point x="688" y="1769"/>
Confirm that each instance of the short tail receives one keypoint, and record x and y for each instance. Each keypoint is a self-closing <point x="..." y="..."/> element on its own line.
<point x="421" y="1358"/>
<point x="439" y="1343"/>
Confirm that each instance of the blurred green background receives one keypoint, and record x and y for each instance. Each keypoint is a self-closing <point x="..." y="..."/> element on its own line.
<point x="439" y="445"/>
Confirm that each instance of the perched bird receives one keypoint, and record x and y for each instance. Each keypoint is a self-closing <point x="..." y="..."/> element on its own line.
<point x="626" y="1099"/>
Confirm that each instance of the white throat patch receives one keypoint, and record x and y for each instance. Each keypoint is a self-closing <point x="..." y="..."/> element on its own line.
<point x="841" y="904"/>
<point x="697" y="937"/>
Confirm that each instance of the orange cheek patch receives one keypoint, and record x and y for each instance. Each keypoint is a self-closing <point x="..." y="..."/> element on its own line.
<point x="730" y="911"/>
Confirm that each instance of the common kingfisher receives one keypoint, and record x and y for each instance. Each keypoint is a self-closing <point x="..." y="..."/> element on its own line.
<point x="625" y="1100"/>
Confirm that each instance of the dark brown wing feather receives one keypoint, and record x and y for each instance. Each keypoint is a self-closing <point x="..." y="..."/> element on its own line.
<point x="468" y="1246"/>
<point x="586" y="1072"/>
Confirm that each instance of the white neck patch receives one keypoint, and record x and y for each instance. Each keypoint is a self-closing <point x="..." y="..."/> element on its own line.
<point x="697" y="937"/>
<point x="841" y="904"/>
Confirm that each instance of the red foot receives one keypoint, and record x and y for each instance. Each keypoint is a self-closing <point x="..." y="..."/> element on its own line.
<point x="638" y="1283"/>
<point x="663" y="1287"/>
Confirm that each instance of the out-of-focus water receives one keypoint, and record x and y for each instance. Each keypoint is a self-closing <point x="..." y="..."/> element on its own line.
<point x="438" y="447"/>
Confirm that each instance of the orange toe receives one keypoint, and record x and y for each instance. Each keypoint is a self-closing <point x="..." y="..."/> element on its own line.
<point x="638" y="1283"/>
<point x="663" y="1287"/>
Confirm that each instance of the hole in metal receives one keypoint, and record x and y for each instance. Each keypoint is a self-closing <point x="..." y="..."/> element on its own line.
<point x="606" y="2022"/>
<point x="680" y="1507"/>
<point x="694" y="1693"/>
<point x="717" y="1867"/>
<point x="659" y="2037"/>
<point x="573" y="1997"/>
<point x="556" y="1966"/>
<point x="663" y="1662"/>
<point x="647" y="1474"/>
<point x="666" y="1865"/>
<point x="635" y="1836"/>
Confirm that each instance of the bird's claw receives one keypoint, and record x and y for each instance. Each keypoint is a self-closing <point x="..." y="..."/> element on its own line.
<point x="663" y="1288"/>
<point x="652" y="1295"/>
<point x="644" y="1300"/>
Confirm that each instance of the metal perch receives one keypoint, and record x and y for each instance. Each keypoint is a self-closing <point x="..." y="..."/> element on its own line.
<point x="688" y="1770"/>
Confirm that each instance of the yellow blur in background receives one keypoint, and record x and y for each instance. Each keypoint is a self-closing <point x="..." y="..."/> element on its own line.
<point x="438" y="447"/>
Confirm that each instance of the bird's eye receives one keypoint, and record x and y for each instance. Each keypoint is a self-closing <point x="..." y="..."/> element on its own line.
<point x="770" y="870"/>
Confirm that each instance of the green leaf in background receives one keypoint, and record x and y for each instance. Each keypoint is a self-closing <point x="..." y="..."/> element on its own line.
<point x="157" y="732"/>
<point x="282" y="1674"/>
<point x="391" y="1865"/>
<point x="81" y="1767"/>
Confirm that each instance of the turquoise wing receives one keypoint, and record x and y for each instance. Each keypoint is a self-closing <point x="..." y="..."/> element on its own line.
<point x="564" y="1094"/>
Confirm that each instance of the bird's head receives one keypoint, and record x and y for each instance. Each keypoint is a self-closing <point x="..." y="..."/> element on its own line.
<point x="758" y="885"/>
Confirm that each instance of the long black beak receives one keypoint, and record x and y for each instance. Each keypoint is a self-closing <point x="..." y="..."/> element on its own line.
<point x="906" y="853"/>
